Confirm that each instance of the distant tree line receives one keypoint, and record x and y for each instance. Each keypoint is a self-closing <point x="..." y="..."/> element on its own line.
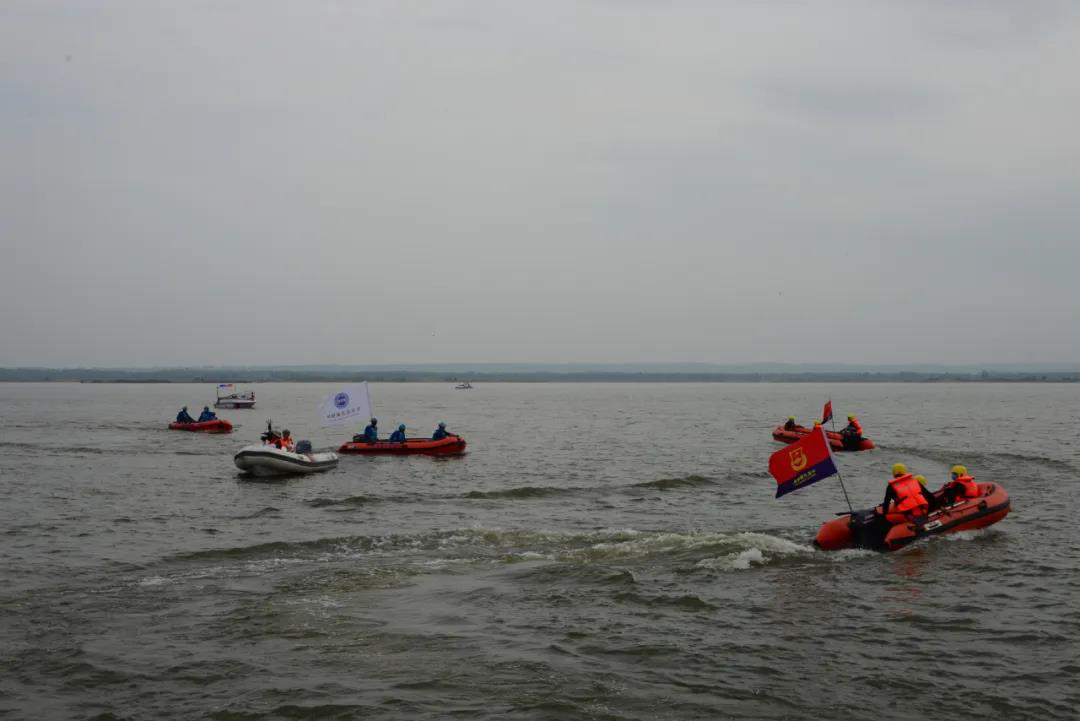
<point x="286" y="375"/>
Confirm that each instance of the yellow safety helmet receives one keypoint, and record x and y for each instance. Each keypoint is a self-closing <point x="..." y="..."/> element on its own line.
<point x="921" y="480"/>
<point x="851" y="417"/>
<point x="959" y="470"/>
<point x="791" y="418"/>
<point x="898" y="469"/>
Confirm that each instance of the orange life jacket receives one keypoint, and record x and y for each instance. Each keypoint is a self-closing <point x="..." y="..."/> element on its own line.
<point x="967" y="485"/>
<point x="856" y="425"/>
<point x="909" y="497"/>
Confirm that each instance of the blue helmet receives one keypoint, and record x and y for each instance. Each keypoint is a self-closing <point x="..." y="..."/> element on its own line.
<point x="401" y="427"/>
<point x="442" y="425"/>
<point x="374" y="421"/>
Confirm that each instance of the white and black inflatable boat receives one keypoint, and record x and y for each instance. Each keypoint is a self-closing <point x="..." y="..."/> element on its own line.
<point x="268" y="460"/>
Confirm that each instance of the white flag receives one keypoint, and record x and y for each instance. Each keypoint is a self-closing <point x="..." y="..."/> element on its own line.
<point x="349" y="403"/>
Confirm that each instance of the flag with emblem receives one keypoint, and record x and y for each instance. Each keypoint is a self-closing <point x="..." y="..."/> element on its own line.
<point x="346" y="405"/>
<point x="826" y="412"/>
<point x="806" y="461"/>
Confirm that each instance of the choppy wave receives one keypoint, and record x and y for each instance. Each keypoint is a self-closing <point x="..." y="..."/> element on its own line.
<point x="690" y="551"/>
<point x="666" y="484"/>
<point x="347" y="501"/>
<point x="526" y="492"/>
<point x="972" y="458"/>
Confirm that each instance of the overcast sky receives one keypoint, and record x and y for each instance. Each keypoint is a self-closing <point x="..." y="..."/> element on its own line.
<point x="377" y="182"/>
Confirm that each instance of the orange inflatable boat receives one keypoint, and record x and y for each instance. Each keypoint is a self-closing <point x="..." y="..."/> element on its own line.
<point x="218" y="426"/>
<point x="835" y="439"/>
<point x="450" y="446"/>
<point x="868" y="529"/>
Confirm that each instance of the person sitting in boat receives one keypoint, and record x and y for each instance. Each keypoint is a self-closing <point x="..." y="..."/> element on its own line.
<point x="961" y="486"/>
<point x="285" y="443"/>
<point x="184" y="417"/>
<point x="440" y="432"/>
<point x="911" y="499"/>
<point x="791" y="424"/>
<point x="371" y="432"/>
<point x="398" y="436"/>
<point x="853" y="428"/>
<point x="852" y="433"/>
<point x="207" y="415"/>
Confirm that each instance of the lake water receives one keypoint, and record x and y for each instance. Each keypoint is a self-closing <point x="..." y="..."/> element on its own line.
<point x="603" y="551"/>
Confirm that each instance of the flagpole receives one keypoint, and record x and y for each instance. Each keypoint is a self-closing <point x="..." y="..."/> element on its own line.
<point x="832" y="420"/>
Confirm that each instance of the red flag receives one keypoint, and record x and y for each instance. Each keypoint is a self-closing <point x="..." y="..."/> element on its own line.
<point x="807" y="460"/>
<point x="826" y="413"/>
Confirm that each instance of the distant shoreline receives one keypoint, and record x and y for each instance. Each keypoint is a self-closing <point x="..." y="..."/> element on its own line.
<point x="159" y="376"/>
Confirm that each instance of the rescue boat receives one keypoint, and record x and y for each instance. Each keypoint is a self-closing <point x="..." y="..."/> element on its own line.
<point x="869" y="529"/>
<point x="215" y="426"/>
<point x="268" y="460"/>
<point x="452" y="445"/>
<point x="836" y="440"/>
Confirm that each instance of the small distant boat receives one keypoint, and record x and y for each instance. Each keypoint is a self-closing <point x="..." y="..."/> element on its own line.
<point x="450" y="446"/>
<point x="227" y="397"/>
<point x="263" y="460"/>
<point x="463" y="386"/>
<point x="836" y="440"/>
<point x="214" y="426"/>
<point x="275" y="457"/>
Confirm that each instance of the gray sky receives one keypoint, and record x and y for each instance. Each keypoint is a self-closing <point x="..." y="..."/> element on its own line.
<point x="378" y="182"/>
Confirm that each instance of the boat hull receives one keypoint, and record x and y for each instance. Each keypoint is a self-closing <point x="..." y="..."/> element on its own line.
<point x="218" y="426"/>
<point x="836" y="441"/>
<point x="223" y="403"/>
<point x="270" y="461"/>
<point x="449" y="446"/>
<point x="866" y="529"/>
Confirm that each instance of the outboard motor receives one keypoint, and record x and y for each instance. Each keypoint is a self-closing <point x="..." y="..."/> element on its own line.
<point x="868" y="529"/>
<point x="303" y="446"/>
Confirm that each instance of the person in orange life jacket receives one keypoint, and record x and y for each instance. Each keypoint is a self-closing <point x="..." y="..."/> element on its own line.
<point x="285" y="443"/>
<point x="791" y="424"/>
<point x="910" y="497"/>
<point x="851" y="434"/>
<point x="853" y="427"/>
<point x="961" y="486"/>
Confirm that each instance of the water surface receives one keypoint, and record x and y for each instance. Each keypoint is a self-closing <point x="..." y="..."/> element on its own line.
<point x="603" y="551"/>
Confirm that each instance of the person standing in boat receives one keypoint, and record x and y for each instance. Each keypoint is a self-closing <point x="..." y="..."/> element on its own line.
<point x="440" y="432"/>
<point x="371" y="431"/>
<point x="207" y="415"/>
<point x="398" y="436"/>
<point x="791" y="424"/>
<point x="184" y="417"/>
